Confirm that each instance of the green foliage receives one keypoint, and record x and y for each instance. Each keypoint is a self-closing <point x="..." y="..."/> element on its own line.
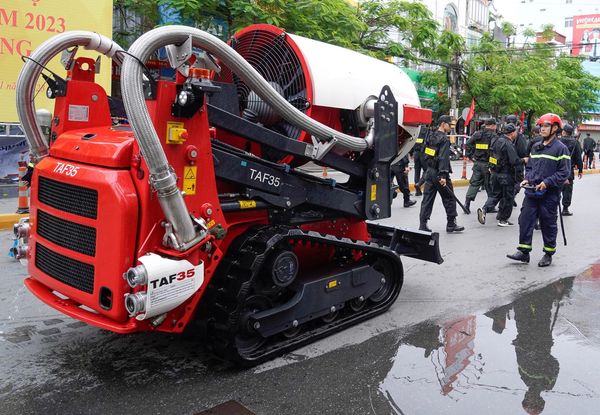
<point x="528" y="79"/>
<point x="365" y="27"/>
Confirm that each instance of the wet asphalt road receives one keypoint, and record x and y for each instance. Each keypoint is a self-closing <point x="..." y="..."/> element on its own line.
<point x="476" y="334"/>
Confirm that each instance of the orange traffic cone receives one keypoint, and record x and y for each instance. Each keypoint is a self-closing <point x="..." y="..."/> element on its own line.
<point x="23" y="191"/>
<point x="464" y="170"/>
<point x="585" y="161"/>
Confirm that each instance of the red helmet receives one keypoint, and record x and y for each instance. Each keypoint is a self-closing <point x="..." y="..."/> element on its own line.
<point x="550" y="118"/>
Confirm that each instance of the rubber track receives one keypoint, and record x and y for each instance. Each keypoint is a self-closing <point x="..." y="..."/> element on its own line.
<point x="231" y="286"/>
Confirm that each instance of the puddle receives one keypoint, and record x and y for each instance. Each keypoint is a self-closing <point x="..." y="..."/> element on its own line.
<point x="538" y="354"/>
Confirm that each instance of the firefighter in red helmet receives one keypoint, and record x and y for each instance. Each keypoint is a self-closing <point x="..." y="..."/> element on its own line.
<point x="548" y="168"/>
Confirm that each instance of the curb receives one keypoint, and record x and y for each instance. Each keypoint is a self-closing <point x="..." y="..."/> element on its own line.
<point x="7" y="220"/>
<point x="465" y="182"/>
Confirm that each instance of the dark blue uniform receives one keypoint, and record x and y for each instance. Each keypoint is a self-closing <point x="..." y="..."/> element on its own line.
<point x="504" y="163"/>
<point x="437" y="153"/>
<point x="550" y="164"/>
<point x="576" y="161"/>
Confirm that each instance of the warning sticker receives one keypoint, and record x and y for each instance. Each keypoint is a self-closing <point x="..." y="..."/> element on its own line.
<point x="247" y="204"/>
<point x="373" y="192"/>
<point x="79" y="113"/>
<point x="189" y="180"/>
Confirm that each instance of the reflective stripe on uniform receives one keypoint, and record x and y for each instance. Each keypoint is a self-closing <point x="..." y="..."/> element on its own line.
<point x="547" y="156"/>
<point x="493" y="161"/>
<point x="548" y="249"/>
<point x="524" y="246"/>
<point x="430" y="151"/>
<point x="482" y="146"/>
<point x="419" y="140"/>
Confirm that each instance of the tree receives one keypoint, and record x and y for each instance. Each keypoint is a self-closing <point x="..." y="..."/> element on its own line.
<point x="382" y="28"/>
<point x="530" y="79"/>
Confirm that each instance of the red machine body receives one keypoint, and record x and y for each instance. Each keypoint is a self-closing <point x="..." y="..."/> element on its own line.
<point x="269" y="252"/>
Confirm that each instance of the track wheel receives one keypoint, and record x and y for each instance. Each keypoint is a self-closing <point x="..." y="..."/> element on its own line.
<point x="357" y="304"/>
<point x="387" y="280"/>
<point x="249" y="340"/>
<point x="331" y="316"/>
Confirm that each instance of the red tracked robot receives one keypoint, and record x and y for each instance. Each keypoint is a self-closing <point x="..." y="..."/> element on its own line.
<point x="196" y="210"/>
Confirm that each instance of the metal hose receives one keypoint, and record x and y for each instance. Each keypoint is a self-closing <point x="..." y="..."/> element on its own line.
<point x="31" y="71"/>
<point x="163" y="179"/>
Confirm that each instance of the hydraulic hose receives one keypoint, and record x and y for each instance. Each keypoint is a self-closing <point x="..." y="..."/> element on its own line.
<point x="163" y="179"/>
<point x="167" y="35"/>
<point x="31" y="71"/>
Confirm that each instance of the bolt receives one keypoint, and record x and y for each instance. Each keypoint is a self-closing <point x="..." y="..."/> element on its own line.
<point x="288" y="203"/>
<point x="332" y="309"/>
<point x="256" y="325"/>
<point x="94" y="97"/>
<point x="209" y="211"/>
<point x="375" y="209"/>
<point x="295" y="323"/>
<point x="361" y="298"/>
<point x="387" y="119"/>
<point x="391" y="114"/>
<point x="382" y="281"/>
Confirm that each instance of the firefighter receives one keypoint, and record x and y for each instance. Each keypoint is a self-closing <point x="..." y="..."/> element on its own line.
<point x="588" y="148"/>
<point x="400" y="171"/>
<point x="548" y="167"/>
<point x="576" y="161"/>
<point x="478" y="150"/>
<point x="504" y="163"/>
<point x="419" y="158"/>
<point x="437" y="177"/>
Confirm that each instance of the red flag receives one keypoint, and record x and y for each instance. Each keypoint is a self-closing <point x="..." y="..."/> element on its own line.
<point x="471" y="112"/>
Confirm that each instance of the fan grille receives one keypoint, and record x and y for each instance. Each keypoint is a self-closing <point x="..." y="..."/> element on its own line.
<point x="274" y="58"/>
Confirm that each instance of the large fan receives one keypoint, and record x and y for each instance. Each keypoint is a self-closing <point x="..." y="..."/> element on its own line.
<point x="271" y="52"/>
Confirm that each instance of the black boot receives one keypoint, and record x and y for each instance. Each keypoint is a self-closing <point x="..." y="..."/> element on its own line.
<point x="451" y="226"/>
<point x="545" y="261"/>
<point x="566" y="211"/>
<point x="423" y="227"/>
<point x="520" y="256"/>
<point x="468" y="206"/>
<point x="409" y="203"/>
<point x="418" y="191"/>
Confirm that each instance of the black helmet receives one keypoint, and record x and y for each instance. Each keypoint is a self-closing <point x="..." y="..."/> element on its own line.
<point x="568" y="128"/>
<point x="509" y="128"/>
<point x="511" y="119"/>
<point x="490" y="121"/>
<point x="444" y="118"/>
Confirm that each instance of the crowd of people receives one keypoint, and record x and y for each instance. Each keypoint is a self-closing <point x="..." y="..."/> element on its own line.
<point x="504" y="162"/>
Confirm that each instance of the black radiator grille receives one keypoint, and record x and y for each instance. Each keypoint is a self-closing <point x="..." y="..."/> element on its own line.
<point x="79" y="238"/>
<point x="66" y="270"/>
<point x="69" y="198"/>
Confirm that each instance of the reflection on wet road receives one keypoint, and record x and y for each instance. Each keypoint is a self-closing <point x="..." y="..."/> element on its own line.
<point x="540" y="353"/>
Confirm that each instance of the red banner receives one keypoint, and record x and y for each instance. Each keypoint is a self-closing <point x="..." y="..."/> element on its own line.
<point x="471" y="112"/>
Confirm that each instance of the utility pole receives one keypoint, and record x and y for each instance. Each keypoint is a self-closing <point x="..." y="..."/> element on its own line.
<point x="454" y="86"/>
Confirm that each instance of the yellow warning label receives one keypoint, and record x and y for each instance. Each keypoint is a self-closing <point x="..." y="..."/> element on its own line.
<point x="373" y="192"/>
<point x="493" y="161"/>
<point x="189" y="179"/>
<point x="482" y="146"/>
<point x="210" y="224"/>
<point x="247" y="204"/>
<point x="430" y="151"/>
<point x="419" y="140"/>
<point x="332" y="284"/>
